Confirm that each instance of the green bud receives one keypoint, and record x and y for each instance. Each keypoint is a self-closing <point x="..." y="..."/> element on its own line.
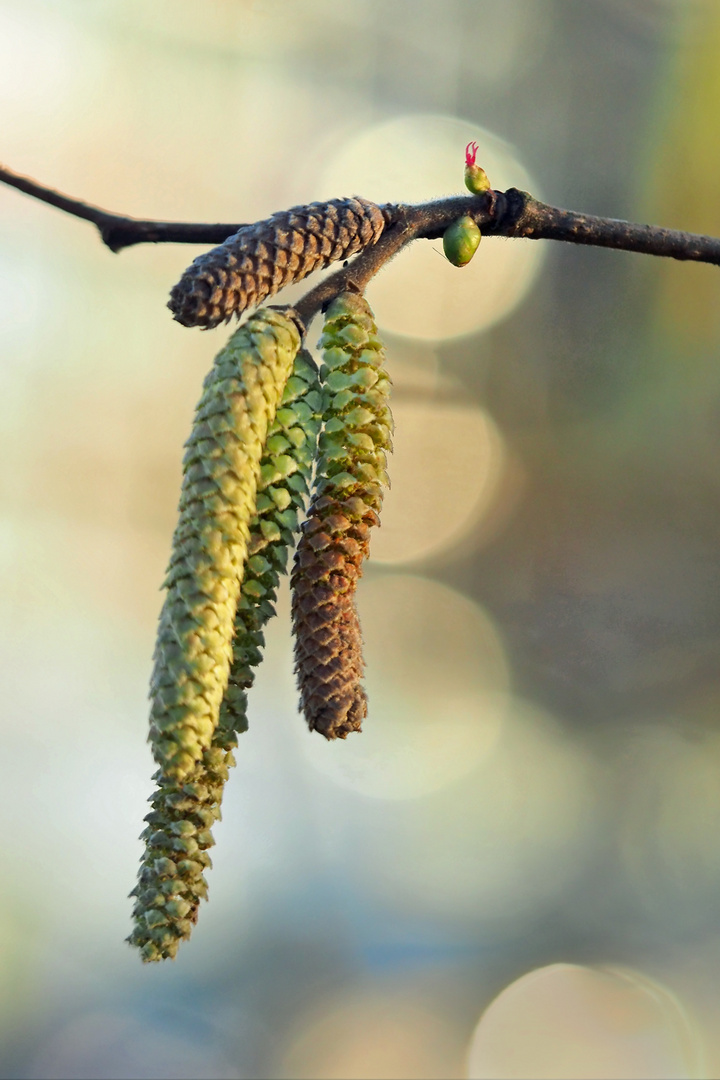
<point x="461" y="240"/>
<point x="476" y="179"/>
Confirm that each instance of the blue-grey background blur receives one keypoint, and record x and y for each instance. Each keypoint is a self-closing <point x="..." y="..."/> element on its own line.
<point x="539" y="779"/>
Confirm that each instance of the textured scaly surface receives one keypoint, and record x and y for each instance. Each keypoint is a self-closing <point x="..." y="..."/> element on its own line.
<point x="263" y="258"/>
<point x="171" y="880"/>
<point x="283" y="487"/>
<point x="351" y="475"/>
<point x="193" y="653"/>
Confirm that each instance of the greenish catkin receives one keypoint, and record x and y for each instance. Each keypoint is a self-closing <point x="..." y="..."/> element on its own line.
<point x="193" y="654"/>
<point x="283" y="487"/>
<point x="171" y="880"/>
<point x="350" y="478"/>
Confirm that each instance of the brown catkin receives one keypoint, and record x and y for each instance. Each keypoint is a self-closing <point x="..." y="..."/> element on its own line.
<point x="263" y="258"/>
<point x="336" y="535"/>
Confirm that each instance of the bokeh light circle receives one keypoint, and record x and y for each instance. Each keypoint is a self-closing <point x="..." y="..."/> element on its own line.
<point x="436" y="679"/>
<point x="445" y="470"/>
<point x="370" y="1036"/>
<point x="568" y="1021"/>
<point x="413" y="159"/>
<point x="670" y="821"/>
<point x="503" y="842"/>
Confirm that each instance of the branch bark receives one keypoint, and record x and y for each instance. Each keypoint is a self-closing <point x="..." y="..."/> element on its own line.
<point x="512" y="213"/>
<point x="116" y="230"/>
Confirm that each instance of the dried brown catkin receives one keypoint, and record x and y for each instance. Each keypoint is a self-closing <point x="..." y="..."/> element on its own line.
<point x="263" y="258"/>
<point x="348" y="493"/>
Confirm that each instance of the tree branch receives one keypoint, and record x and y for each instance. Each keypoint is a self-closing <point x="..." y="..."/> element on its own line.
<point x="512" y="213"/>
<point x="527" y="217"/>
<point x="116" y="230"/>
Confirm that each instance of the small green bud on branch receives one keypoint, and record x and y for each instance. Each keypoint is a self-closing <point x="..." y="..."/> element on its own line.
<point x="476" y="180"/>
<point x="461" y="241"/>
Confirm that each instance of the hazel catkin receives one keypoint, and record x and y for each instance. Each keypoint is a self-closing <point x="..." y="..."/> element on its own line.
<point x="283" y="486"/>
<point x="262" y="258"/>
<point x="171" y="880"/>
<point x="350" y="477"/>
<point x="217" y="503"/>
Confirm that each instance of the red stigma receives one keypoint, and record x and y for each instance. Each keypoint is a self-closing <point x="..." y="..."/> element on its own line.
<point x="471" y="153"/>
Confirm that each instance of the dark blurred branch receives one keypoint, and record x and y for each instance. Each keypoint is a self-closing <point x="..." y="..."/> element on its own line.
<point x="527" y="217"/>
<point x="511" y="213"/>
<point x="117" y="231"/>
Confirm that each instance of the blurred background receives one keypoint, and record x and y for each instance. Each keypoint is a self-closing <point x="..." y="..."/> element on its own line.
<point x="515" y="869"/>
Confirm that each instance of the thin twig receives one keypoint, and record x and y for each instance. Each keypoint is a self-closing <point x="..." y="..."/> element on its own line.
<point x="116" y="230"/>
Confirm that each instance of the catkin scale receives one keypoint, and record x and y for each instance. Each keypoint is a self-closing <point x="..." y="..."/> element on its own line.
<point x="350" y="476"/>
<point x="193" y="653"/>
<point x="169" y="891"/>
<point x="285" y="475"/>
<point x="263" y="258"/>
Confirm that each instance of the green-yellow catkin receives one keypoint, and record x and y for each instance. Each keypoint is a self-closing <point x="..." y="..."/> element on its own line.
<point x="350" y="477"/>
<point x="217" y="504"/>
<point x="285" y="476"/>
<point x="171" y="880"/>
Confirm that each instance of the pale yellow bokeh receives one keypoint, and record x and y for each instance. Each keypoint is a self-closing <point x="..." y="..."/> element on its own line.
<point x="415" y="158"/>
<point x="371" y="1037"/>
<point x="39" y="55"/>
<point x="671" y="816"/>
<point x="437" y="677"/>
<point x="580" y="1023"/>
<point x="445" y="470"/>
<point x="21" y="951"/>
